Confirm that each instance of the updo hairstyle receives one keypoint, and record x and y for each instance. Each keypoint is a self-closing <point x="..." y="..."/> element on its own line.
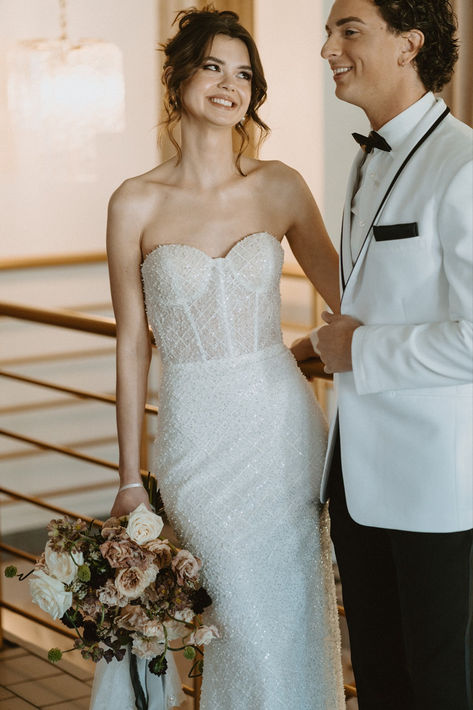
<point x="185" y="53"/>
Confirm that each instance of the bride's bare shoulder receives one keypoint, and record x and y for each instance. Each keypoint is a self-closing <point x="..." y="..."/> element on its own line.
<point x="278" y="176"/>
<point x="142" y="192"/>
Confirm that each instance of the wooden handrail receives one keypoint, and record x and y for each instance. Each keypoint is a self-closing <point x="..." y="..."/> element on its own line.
<point x="82" y="394"/>
<point x="59" y="356"/>
<point x="33" y="617"/>
<point x="16" y="552"/>
<point x="290" y="269"/>
<point x="100" y="325"/>
<point x="350" y="691"/>
<point x="70" y="490"/>
<point x="188" y="691"/>
<point x="35" y="262"/>
<point x="106" y="326"/>
<point x="59" y="449"/>
<point x="48" y="506"/>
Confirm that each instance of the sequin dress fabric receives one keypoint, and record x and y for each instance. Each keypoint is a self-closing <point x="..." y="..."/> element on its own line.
<point x="238" y="455"/>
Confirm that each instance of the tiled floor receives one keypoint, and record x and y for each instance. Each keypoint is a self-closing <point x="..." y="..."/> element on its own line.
<point x="28" y="682"/>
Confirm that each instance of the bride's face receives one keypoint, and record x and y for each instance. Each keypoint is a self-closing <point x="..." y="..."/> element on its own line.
<point x="220" y="89"/>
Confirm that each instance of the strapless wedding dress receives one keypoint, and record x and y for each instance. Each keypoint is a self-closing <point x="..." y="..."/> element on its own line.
<point x="238" y="455"/>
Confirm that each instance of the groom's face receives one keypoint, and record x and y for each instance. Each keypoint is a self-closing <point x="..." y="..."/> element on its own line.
<point x="362" y="52"/>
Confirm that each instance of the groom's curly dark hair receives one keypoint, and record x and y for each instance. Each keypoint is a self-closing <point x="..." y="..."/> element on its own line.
<point x="436" y="19"/>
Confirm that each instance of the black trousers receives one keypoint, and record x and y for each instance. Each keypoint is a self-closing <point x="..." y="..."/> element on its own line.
<point x="409" y="602"/>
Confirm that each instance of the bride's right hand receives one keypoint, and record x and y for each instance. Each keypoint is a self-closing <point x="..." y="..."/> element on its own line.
<point x="128" y="500"/>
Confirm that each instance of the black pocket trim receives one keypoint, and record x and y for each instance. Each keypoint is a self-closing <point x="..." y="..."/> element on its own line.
<point x="387" y="232"/>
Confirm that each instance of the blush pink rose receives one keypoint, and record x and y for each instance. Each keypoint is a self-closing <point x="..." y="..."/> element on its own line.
<point x="125" y="553"/>
<point x="162" y="552"/>
<point x="134" y="618"/>
<point x="132" y="581"/>
<point x="110" y="596"/>
<point x="112" y="528"/>
<point x="186" y="566"/>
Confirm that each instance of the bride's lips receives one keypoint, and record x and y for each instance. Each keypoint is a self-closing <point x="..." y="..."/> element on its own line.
<point x="340" y="71"/>
<point x="222" y="101"/>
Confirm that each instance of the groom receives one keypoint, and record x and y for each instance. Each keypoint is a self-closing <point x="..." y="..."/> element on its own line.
<point x="399" y="470"/>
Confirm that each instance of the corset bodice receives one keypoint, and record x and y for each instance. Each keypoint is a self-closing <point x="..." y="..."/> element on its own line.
<point x="202" y="308"/>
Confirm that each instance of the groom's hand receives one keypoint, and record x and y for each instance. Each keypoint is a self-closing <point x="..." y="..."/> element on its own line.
<point x="335" y="341"/>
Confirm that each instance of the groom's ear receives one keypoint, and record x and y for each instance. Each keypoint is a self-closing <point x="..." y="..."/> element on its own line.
<point x="411" y="44"/>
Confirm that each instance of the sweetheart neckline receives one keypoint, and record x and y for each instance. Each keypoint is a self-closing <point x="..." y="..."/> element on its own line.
<point x="212" y="258"/>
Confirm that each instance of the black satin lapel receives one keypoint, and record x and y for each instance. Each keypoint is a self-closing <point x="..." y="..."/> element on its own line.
<point x="342" y="266"/>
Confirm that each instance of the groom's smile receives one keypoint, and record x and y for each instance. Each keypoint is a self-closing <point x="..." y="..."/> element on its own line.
<point x="364" y="55"/>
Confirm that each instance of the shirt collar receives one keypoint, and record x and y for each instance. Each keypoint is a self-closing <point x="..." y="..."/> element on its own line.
<point x="398" y="128"/>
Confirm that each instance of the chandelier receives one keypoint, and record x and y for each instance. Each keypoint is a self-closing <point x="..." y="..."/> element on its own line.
<point x="61" y="95"/>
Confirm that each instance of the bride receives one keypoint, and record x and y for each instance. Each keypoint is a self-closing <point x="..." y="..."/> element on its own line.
<point x="194" y="250"/>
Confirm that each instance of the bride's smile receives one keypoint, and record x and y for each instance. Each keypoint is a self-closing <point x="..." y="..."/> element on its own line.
<point x="219" y="91"/>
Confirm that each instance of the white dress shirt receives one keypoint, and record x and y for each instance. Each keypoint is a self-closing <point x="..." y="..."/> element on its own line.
<point x="377" y="163"/>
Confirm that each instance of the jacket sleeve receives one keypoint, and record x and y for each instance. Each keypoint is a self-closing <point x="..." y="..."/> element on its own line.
<point x="392" y="357"/>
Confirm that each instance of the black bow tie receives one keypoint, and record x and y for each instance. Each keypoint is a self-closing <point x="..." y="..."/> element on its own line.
<point x="374" y="140"/>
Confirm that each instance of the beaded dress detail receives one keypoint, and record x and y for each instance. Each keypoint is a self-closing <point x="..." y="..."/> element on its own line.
<point x="238" y="455"/>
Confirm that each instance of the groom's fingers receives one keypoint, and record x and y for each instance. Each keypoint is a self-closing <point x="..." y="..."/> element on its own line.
<point x="328" y="317"/>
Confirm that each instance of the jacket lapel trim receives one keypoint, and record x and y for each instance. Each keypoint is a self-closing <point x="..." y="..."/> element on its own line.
<point x="386" y="195"/>
<point x="345" y="247"/>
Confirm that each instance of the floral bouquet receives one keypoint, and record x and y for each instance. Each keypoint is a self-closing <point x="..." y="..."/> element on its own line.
<point x="122" y="586"/>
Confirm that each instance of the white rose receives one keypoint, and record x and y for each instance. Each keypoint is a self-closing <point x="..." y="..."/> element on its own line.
<point x="143" y="525"/>
<point x="61" y="565"/>
<point x="203" y="636"/>
<point x="49" y="594"/>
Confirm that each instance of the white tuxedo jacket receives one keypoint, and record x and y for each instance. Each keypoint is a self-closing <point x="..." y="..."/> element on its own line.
<point x="405" y="412"/>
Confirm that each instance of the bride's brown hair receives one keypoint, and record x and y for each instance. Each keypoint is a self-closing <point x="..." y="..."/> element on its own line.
<point x="185" y="53"/>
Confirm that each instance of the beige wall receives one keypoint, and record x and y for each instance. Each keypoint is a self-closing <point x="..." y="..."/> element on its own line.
<point x="41" y="214"/>
<point x="287" y="37"/>
<point x="310" y="127"/>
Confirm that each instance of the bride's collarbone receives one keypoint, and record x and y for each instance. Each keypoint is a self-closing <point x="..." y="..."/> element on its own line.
<point x="210" y="221"/>
<point x="216" y="243"/>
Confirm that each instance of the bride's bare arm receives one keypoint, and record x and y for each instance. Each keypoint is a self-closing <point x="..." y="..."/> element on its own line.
<point x="310" y="242"/>
<point x="133" y="343"/>
<point x="313" y="250"/>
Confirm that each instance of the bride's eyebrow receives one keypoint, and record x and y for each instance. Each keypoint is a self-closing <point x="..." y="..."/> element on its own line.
<point x="222" y="63"/>
<point x="213" y="59"/>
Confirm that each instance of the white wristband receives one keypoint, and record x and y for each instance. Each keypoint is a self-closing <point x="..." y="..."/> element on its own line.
<point x="130" y="485"/>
